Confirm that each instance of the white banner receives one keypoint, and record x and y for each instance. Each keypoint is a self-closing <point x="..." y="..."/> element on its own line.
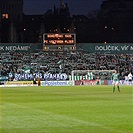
<point x="57" y="83"/>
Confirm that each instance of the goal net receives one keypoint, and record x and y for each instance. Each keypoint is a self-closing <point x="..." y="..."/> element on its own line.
<point x="91" y="75"/>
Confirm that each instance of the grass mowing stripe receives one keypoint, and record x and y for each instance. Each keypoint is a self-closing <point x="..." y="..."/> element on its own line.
<point x="132" y="107"/>
<point x="67" y="109"/>
<point x="19" y="121"/>
<point x="0" y="109"/>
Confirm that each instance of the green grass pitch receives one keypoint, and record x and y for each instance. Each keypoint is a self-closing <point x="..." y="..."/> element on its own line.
<point x="77" y="109"/>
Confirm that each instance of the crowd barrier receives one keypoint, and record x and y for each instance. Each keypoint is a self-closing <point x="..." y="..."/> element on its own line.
<point x="64" y="83"/>
<point x="101" y="82"/>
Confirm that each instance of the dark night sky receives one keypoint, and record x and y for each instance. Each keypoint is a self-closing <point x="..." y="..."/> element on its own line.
<point x="75" y="6"/>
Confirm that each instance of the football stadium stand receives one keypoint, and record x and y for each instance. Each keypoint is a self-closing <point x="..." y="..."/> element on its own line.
<point x="63" y="62"/>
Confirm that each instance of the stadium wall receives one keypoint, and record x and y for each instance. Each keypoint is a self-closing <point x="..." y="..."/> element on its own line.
<point x="113" y="48"/>
<point x="20" y="47"/>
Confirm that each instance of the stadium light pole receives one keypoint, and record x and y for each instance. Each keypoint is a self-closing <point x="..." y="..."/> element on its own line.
<point x="110" y="34"/>
<point x="105" y="29"/>
<point x="113" y="34"/>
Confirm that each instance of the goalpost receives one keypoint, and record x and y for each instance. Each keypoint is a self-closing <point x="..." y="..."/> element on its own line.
<point x="91" y="74"/>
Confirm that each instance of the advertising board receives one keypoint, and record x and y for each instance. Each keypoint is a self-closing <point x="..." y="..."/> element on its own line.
<point x="57" y="83"/>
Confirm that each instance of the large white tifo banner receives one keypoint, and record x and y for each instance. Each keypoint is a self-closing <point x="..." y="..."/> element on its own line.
<point x="57" y="83"/>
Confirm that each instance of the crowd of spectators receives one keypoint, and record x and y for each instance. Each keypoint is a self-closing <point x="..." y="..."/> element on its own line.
<point x="63" y="62"/>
